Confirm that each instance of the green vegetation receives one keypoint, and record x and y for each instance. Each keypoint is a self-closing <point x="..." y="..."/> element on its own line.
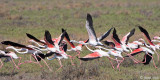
<point x="18" y="17"/>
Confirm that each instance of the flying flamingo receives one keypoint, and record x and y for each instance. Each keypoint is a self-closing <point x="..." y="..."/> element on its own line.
<point x="93" y="40"/>
<point x="9" y="57"/>
<point x="36" y="41"/>
<point x="148" y="55"/>
<point x="36" y="54"/>
<point x="54" y="47"/>
<point x="100" y="53"/>
<point x="146" y="34"/>
<point x="122" y="45"/>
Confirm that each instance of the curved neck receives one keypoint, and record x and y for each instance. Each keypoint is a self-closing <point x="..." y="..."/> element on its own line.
<point x="18" y="50"/>
<point x="89" y="48"/>
<point x="38" y="44"/>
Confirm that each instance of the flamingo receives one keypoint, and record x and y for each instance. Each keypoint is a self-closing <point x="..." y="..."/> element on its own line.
<point x="146" y="34"/>
<point x="122" y="45"/>
<point x="54" y="47"/>
<point x="148" y="55"/>
<point x="100" y="53"/>
<point x="93" y="40"/>
<point x="9" y="57"/>
<point x="36" y="54"/>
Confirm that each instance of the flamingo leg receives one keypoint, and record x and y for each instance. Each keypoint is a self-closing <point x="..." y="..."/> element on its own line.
<point x="1" y="63"/>
<point x="120" y="63"/>
<point x="78" y="56"/>
<point x="71" y="59"/>
<point x="30" y="61"/>
<point x="19" y="62"/>
<point x="157" y="55"/>
<point x="46" y="63"/>
<point x="111" y="63"/>
<point x="14" y="62"/>
<point x="134" y="59"/>
<point x="60" y="64"/>
<point x="153" y="61"/>
<point x="36" y="60"/>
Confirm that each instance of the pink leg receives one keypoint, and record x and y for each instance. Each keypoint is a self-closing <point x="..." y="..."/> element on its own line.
<point x="14" y="62"/>
<point x="60" y="64"/>
<point x="45" y="63"/>
<point x="79" y="56"/>
<point x="119" y="64"/>
<point x="135" y="60"/>
<point x="153" y="61"/>
<point x="157" y="55"/>
<point x="30" y="61"/>
<point x="111" y="63"/>
<point x="1" y="63"/>
<point x="37" y="61"/>
<point x="19" y="62"/>
<point x="71" y="59"/>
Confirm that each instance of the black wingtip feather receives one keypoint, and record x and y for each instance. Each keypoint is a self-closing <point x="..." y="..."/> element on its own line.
<point x="145" y="32"/>
<point x="13" y="44"/>
<point x="48" y="37"/>
<point x="148" y="59"/>
<point x="115" y="36"/>
<point x="89" y="19"/>
<point x="87" y="59"/>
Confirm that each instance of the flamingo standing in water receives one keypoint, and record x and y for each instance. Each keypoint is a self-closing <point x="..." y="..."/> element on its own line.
<point x="9" y="57"/>
<point x="36" y="54"/>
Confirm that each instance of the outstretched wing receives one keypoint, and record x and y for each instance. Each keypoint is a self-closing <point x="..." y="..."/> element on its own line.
<point x="135" y="52"/>
<point x="116" y="38"/>
<point x="91" y="56"/>
<point x="125" y="39"/>
<point x="34" y="38"/>
<point x="90" y="29"/>
<point x="148" y="58"/>
<point x="48" y="39"/>
<point x="67" y="38"/>
<point x="144" y="31"/>
<point x="60" y="38"/>
<point x="15" y="44"/>
<point x="104" y="35"/>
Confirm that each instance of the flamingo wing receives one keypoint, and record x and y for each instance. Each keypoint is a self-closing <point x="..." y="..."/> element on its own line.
<point x="67" y="38"/>
<point x="90" y="29"/>
<point x="116" y="38"/>
<point x="91" y="56"/>
<point x="146" y="34"/>
<point x="60" y="38"/>
<point x="34" y="38"/>
<point x="104" y="35"/>
<point x="108" y="43"/>
<point x="148" y="59"/>
<point x="125" y="39"/>
<point x="135" y="52"/>
<point x="48" y="37"/>
<point x="15" y="44"/>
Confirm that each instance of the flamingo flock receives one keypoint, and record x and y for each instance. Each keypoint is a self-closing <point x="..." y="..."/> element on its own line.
<point x="57" y="48"/>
